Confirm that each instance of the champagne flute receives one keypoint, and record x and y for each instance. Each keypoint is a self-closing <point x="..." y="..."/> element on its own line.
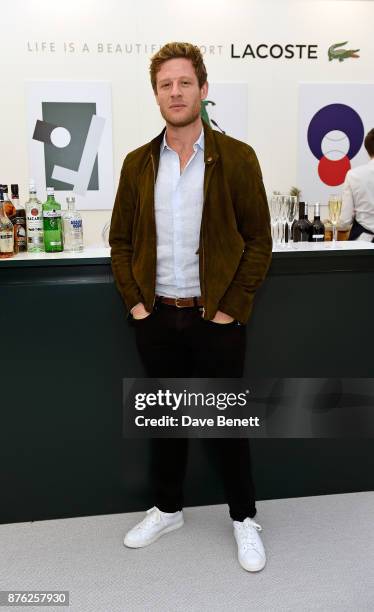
<point x="291" y="214"/>
<point x="335" y="208"/>
<point x="274" y="215"/>
<point x="283" y="215"/>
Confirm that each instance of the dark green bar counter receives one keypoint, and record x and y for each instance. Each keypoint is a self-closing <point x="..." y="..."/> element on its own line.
<point x="66" y="345"/>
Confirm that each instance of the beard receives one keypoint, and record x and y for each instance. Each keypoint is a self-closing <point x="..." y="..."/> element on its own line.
<point x="182" y="121"/>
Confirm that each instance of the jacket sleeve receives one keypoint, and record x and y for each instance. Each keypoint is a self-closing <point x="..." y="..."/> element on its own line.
<point x="253" y="222"/>
<point x="120" y="239"/>
<point x="348" y="211"/>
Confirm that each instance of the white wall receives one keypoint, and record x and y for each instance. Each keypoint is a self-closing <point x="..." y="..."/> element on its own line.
<point x="273" y="84"/>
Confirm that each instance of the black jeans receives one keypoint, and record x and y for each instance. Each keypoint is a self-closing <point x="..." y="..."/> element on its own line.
<point x="178" y="343"/>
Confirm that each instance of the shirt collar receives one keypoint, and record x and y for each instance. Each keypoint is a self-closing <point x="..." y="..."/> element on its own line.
<point x="199" y="143"/>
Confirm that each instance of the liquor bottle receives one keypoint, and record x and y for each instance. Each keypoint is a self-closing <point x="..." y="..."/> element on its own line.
<point x="9" y="207"/>
<point x="6" y="230"/>
<point x="309" y="222"/>
<point x="301" y="230"/>
<point x="290" y="237"/>
<point x="34" y="222"/>
<point x="318" y="229"/>
<point x="72" y="227"/>
<point x="19" y="222"/>
<point x="52" y="224"/>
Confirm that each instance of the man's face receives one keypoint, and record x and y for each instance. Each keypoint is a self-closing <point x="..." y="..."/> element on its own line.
<point x="178" y="93"/>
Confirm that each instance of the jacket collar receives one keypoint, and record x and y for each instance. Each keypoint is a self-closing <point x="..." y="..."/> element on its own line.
<point x="210" y="149"/>
<point x="198" y="143"/>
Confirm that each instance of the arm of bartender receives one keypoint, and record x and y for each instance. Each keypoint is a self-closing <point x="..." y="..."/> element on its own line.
<point x="353" y="196"/>
<point x="358" y="196"/>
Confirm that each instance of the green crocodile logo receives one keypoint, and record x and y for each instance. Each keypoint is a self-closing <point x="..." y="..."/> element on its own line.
<point x="204" y="110"/>
<point x="205" y="115"/>
<point x="341" y="54"/>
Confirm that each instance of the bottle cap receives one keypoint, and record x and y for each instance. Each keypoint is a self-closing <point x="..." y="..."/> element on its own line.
<point x="50" y="191"/>
<point x="70" y="199"/>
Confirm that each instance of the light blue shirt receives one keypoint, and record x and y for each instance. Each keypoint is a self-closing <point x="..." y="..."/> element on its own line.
<point x="178" y="210"/>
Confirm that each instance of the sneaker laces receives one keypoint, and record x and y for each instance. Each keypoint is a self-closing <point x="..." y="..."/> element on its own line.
<point x="153" y="516"/>
<point x="248" y="533"/>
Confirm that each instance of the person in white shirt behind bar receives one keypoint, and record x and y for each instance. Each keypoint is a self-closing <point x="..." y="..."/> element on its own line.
<point x="358" y="197"/>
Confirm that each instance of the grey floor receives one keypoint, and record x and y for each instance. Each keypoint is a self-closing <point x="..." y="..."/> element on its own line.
<point x="320" y="554"/>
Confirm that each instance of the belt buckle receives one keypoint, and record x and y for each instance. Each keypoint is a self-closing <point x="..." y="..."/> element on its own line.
<point x="177" y="303"/>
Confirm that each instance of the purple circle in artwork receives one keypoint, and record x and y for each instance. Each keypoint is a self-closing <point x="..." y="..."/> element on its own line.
<point x="336" y="117"/>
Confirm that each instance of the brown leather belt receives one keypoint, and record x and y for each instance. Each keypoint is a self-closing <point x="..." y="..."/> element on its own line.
<point x="187" y="302"/>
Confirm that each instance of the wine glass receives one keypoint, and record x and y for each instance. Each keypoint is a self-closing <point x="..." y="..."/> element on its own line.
<point x="283" y="208"/>
<point x="291" y="214"/>
<point x="335" y="208"/>
<point x="274" y="206"/>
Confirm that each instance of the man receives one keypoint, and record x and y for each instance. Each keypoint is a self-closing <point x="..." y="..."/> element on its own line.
<point x="358" y="197"/>
<point x="191" y="243"/>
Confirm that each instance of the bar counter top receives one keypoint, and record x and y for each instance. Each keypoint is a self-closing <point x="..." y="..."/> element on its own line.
<point x="101" y="255"/>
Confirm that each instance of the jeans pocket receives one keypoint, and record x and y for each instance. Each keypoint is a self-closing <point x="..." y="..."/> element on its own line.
<point x="142" y="321"/>
<point x="210" y="323"/>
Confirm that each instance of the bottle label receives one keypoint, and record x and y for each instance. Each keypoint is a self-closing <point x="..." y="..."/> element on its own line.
<point x="20" y="237"/>
<point x="6" y="242"/>
<point x="34" y="220"/>
<point x="318" y="237"/>
<point x="55" y="243"/>
<point x="51" y="214"/>
<point x="36" y="240"/>
<point x="34" y="226"/>
<point x="73" y="234"/>
<point x="19" y="221"/>
<point x="76" y="223"/>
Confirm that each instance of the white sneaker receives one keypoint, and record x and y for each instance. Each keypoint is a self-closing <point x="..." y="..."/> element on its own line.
<point x="251" y="552"/>
<point x="154" y="525"/>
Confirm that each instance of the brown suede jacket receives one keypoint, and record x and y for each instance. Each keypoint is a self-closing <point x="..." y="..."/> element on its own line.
<point x="235" y="239"/>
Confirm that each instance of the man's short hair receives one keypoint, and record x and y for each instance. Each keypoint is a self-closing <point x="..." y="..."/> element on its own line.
<point x="369" y="143"/>
<point x="175" y="50"/>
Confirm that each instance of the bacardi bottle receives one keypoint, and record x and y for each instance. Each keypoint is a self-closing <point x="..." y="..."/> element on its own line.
<point x="52" y="223"/>
<point x="72" y="227"/>
<point x="34" y="222"/>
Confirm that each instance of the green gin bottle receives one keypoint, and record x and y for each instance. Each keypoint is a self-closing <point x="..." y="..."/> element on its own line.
<point x="52" y="224"/>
